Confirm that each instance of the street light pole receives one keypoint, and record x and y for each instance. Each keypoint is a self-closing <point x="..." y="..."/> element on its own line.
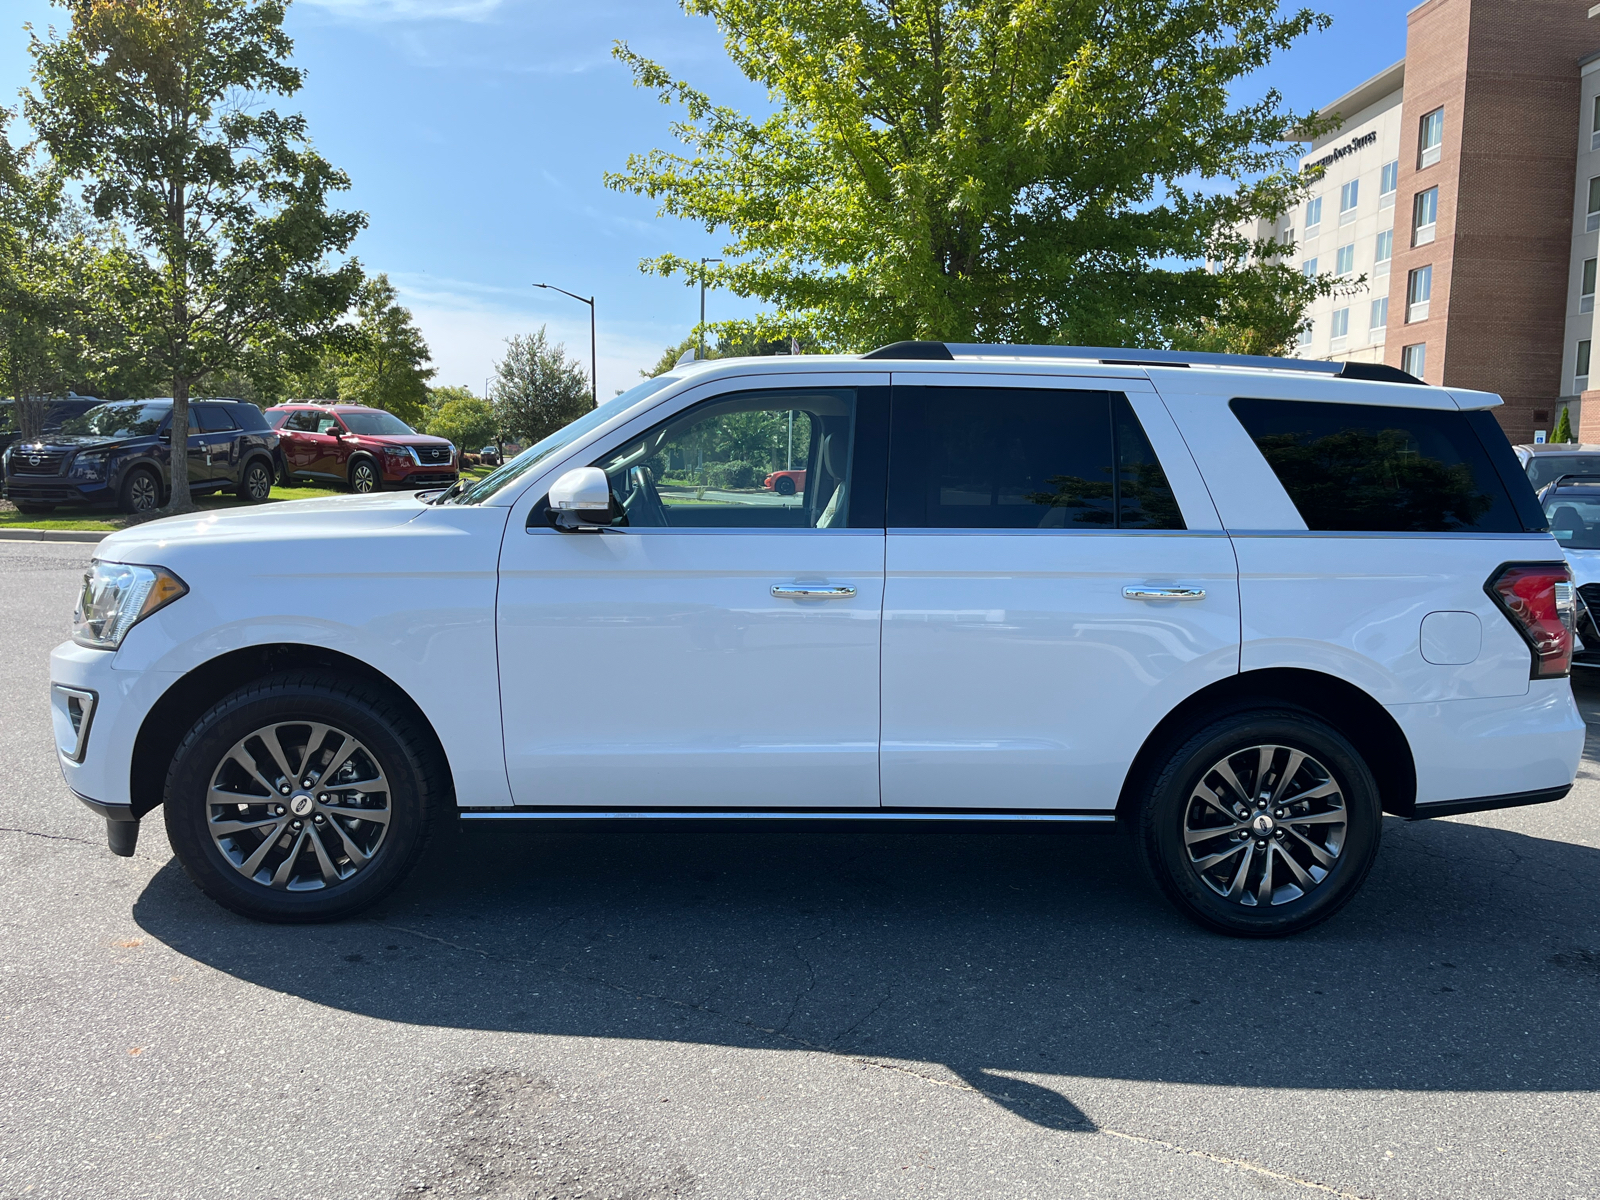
<point x="703" y="263"/>
<point x="594" y="361"/>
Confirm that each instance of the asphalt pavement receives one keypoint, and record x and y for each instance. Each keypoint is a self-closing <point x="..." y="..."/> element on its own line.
<point x="623" y="1014"/>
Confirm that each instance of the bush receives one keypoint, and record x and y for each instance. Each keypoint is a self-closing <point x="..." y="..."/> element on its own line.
<point x="736" y="474"/>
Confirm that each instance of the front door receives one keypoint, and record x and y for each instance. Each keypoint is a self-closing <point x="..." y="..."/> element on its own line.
<point x="718" y="646"/>
<point x="199" y="462"/>
<point x="217" y="434"/>
<point x="1035" y="626"/>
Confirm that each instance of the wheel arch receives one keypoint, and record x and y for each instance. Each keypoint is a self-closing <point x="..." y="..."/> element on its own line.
<point x="358" y="456"/>
<point x="174" y="714"/>
<point x="1375" y="734"/>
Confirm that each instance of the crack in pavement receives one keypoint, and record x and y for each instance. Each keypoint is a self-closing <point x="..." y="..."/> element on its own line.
<point x="879" y="1064"/>
<point x="54" y="837"/>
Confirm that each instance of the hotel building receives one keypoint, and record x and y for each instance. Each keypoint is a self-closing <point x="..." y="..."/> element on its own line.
<point x="1463" y="184"/>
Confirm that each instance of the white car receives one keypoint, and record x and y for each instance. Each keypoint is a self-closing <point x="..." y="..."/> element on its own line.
<point x="1239" y="608"/>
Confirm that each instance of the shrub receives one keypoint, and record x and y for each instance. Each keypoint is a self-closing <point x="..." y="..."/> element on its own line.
<point x="736" y="474"/>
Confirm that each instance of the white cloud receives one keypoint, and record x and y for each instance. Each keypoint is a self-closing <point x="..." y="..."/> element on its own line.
<point x="467" y="325"/>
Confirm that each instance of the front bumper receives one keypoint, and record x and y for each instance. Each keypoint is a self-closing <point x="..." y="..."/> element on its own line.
<point x="409" y="475"/>
<point x="57" y="489"/>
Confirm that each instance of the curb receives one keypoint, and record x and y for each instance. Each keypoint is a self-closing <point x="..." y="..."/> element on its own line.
<point x="54" y="535"/>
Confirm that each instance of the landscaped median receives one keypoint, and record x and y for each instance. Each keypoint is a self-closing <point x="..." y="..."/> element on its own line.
<point x="104" y="520"/>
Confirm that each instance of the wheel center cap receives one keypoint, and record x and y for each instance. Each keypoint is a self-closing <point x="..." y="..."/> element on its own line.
<point x="301" y="805"/>
<point x="1262" y="825"/>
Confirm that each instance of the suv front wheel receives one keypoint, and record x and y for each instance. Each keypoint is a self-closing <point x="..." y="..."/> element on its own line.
<point x="364" y="476"/>
<point x="1262" y="823"/>
<point x="301" y="798"/>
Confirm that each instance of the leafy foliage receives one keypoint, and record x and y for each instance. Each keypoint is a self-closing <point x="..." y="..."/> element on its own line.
<point x="537" y="388"/>
<point x="991" y="170"/>
<point x="156" y="104"/>
<point x="467" y="421"/>
<point x="1564" y="427"/>
<point x="382" y="359"/>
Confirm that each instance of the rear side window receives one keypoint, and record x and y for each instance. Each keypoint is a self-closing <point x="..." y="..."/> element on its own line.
<point x="1023" y="458"/>
<point x="1365" y="468"/>
<point x="214" y="419"/>
<point x="277" y="417"/>
<point x="248" y="416"/>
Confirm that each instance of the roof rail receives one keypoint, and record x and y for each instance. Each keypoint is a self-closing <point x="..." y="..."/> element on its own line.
<point x="1109" y="356"/>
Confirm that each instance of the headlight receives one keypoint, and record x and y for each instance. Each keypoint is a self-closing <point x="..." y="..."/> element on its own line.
<point x="403" y="453"/>
<point x="89" y="466"/>
<point x="116" y="597"/>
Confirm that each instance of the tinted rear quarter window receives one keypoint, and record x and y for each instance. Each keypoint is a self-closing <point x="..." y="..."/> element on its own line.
<point x="214" y="418"/>
<point x="1368" y="468"/>
<point x="1023" y="458"/>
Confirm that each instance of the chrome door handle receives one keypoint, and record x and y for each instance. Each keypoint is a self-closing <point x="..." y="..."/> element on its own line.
<point x="804" y="591"/>
<point x="1164" y="593"/>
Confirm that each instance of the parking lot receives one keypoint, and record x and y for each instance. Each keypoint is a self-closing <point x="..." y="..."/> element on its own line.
<point x="772" y="1012"/>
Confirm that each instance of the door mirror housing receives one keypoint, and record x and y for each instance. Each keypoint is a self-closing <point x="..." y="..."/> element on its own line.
<point x="581" y="500"/>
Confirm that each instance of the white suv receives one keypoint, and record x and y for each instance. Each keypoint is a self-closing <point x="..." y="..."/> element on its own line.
<point x="1237" y="607"/>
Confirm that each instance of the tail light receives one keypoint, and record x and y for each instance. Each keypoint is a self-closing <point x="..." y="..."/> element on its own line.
<point x="1538" y="599"/>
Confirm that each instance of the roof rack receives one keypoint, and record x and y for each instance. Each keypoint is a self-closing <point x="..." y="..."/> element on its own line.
<point x="950" y="351"/>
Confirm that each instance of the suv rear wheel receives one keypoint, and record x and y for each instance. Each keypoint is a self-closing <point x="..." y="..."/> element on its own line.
<point x="140" y="492"/>
<point x="255" y="484"/>
<point x="364" y="476"/>
<point x="1262" y="823"/>
<point x="301" y="798"/>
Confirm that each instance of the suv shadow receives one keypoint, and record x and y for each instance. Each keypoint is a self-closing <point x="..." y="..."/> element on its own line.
<point x="1467" y="964"/>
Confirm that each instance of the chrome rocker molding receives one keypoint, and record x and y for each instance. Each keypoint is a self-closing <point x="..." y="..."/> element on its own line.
<point x="1452" y="808"/>
<point x="891" y="815"/>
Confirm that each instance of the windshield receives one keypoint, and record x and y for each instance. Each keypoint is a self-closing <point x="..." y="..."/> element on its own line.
<point x="498" y="480"/>
<point x="1547" y="468"/>
<point x="1575" y="520"/>
<point x="375" y="424"/>
<point x="118" y="421"/>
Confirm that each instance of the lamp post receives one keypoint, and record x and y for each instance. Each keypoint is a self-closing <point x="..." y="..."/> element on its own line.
<point x="594" y="375"/>
<point x="703" y="263"/>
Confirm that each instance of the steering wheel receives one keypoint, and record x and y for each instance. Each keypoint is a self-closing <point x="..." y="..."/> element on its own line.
<point x="642" y="502"/>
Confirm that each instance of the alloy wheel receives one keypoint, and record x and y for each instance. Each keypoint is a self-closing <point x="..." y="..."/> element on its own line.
<point x="298" y="806"/>
<point x="143" y="495"/>
<point x="1265" y="825"/>
<point x="258" y="481"/>
<point x="363" y="478"/>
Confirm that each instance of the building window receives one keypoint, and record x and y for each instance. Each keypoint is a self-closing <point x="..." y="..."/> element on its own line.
<point x="1313" y="213"/>
<point x="1424" y="216"/>
<point x="1431" y="139"/>
<point x="1594" y="138"/>
<point x="1341" y="324"/>
<point x="1388" y="183"/>
<point x="1305" y="335"/>
<point x="1378" y="323"/>
<point x="1310" y="268"/>
<point x="1419" y="289"/>
<point x="1586" y="295"/>
<point x="1414" y="359"/>
<point x="1344" y="259"/>
<point x="1580" y="382"/>
<point x="1385" y="250"/>
<point x="1594" y="205"/>
<point x="1349" y="197"/>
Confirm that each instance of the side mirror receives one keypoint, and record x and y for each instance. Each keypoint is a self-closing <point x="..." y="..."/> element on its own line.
<point x="581" y="500"/>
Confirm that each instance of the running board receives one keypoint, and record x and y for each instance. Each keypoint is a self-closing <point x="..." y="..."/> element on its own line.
<point x="787" y="814"/>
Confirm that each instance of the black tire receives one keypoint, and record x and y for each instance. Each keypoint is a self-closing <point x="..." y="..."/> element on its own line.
<point x="784" y="486"/>
<point x="32" y="509"/>
<point x="415" y="779"/>
<point x="1176" y="810"/>
<point x="255" y="482"/>
<point x="140" y="491"/>
<point x="364" y="477"/>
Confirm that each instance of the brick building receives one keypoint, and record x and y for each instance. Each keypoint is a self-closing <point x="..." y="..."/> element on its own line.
<point x="1464" y="184"/>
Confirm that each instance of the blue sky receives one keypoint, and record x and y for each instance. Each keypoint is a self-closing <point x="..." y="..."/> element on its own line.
<point x="476" y="133"/>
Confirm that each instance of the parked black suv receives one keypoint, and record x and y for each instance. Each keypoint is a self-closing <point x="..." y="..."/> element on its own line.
<point x="122" y="453"/>
<point x="59" y="411"/>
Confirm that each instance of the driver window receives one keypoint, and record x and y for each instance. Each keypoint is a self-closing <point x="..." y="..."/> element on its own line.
<point x="761" y="460"/>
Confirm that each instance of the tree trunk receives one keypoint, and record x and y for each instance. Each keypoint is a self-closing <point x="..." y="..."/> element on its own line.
<point x="180" y="501"/>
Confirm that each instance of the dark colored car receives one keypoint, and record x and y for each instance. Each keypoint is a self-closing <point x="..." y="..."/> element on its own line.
<point x="59" y="411"/>
<point x="1549" y="461"/>
<point x="366" y="448"/>
<point x="122" y="453"/>
<point x="489" y="456"/>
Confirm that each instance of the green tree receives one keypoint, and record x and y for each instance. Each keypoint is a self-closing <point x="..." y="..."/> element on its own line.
<point x="986" y="170"/>
<point x="537" y="388"/>
<point x="156" y="104"/>
<point x="1564" y="427"/>
<point x="382" y="364"/>
<point x="438" y="397"/>
<point x="466" y="421"/>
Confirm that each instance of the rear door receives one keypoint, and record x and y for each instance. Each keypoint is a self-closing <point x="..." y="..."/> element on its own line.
<point x="218" y="441"/>
<point x="1056" y="582"/>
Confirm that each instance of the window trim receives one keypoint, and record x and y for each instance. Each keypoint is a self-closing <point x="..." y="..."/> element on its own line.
<point x="1417" y="308"/>
<point x="1405" y="355"/>
<point x="1428" y="152"/>
<point x="1423" y="232"/>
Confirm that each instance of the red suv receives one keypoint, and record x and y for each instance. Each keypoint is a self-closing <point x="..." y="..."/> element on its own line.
<point x="364" y="447"/>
